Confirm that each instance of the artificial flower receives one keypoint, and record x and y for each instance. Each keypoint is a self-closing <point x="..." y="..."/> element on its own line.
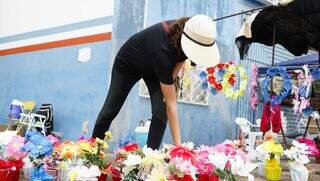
<point x="132" y="160"/>
<point x="14" y="148"/>
<point x="272" y="148"/>
<point x="38" y="145"/>
<point x="182" y="152"/>
<point x="108" y="135"/>
<point x="152" y="158"/>
<point x="159" y="174"/>
<point x="183" y="165"/>
<point x="219" y="160"/>
<point x="242" y="168"/>
<point x="54" y="140"/>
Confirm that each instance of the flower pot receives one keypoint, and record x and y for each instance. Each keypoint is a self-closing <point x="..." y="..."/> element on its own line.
<point x="298" y="172"/>
<point x="272" y="170"/>
<point x="9" y="175"/>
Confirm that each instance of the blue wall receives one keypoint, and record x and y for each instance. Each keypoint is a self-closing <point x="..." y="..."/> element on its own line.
<point x="77" y="91"/>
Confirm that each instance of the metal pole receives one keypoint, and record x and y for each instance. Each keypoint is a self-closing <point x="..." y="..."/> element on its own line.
<point x="243" y="12"/>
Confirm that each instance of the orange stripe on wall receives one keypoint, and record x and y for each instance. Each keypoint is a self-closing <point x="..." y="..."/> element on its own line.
<point x="56" y="44"/>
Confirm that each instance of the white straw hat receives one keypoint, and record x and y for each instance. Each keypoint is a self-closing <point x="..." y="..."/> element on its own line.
<point x="198" y="41"/>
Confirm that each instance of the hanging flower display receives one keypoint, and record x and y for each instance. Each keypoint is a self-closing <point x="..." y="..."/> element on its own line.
<point x="286" y="86"/>
<point x="227" y="86"/>
<point x="220" y="70"/>
<point x="302" y="92"/>
<point x="254" y="87"/>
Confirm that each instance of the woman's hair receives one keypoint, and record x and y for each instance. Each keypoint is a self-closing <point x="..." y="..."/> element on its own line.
<point x="175" y="33"/>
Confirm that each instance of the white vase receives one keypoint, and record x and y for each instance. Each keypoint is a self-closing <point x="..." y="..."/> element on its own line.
<point x="298" y="172"/>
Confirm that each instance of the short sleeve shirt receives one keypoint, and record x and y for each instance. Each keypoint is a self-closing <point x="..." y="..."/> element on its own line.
<point x="149" y="53"/>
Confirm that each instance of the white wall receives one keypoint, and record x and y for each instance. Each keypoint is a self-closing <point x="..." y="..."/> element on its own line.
<point x="21" y="16"/>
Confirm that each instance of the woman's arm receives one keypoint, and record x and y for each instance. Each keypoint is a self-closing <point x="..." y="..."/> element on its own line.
<point x="169" y="95"/>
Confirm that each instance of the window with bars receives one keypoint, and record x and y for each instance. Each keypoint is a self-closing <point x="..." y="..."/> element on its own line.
<point x="188" y="87"/>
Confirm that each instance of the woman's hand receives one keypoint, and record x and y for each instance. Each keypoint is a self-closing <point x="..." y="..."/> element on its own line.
<point x="169" y="95"/>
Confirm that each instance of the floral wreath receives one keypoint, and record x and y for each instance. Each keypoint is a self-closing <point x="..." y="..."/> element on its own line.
<point x="212" y="79"/>
<point x="227" y="87"/>
<point x="302" y="93"/>
<point x="254" y="87"/>
<point x="286" y="86"/>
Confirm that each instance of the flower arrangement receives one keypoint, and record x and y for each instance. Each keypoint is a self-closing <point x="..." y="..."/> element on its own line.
<point x="298" y="156"/>
<point x="38" y="146"/>
<point x="271" y="152"/>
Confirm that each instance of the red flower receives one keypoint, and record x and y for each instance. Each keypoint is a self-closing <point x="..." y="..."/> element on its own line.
<point x="210" y="70"/>
<point x="218" y="86"/>
<point x="182" y="152"/>
<point x="113" y="171"/>
<point x="220" y="65"/>
<point x="208" y="178"/>
<point x="131" y="147"/>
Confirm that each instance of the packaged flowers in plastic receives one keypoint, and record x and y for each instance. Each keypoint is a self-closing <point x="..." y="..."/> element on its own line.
<point x="38" y="146"/>
<point x="84" y="173"/>
<point x="13" y="155"/>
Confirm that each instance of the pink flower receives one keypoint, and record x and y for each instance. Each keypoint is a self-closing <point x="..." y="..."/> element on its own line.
<point x="184" y="166"/>
<point x="14" y="148"/>
<point x="54" y="140"/>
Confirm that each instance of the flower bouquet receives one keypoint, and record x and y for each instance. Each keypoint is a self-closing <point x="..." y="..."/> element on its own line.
<point x="38" y="146"/>
<point x="12" y="163"/>
<point x="272" y="153"/>
<point x="298" y="158"/>
<point x="127" y="161"/>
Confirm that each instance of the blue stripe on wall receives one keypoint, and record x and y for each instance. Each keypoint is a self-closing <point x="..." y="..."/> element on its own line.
<point x="58" y="29"/>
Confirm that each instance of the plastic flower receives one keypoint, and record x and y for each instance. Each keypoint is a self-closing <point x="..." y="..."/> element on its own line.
<point x="242" y="168"/>
<point x="184" y="166"/>
<point x="84" y="173"/>
<point x="151" y="159"/>
<point x="133" y="160"/>
<point x="68" y="150"/>
<point x="298" y="153"/>
<point x="182" y="152"/>
<point x="108" y="135"/>
<point x="130" y="163"/>
<point x="14" y="148"/>
<point x="159" y="174"/>
<point x="38" y="145"/>
<point x="219" y="160"/>
<point x="54" y="140"/>
<point x="130" y="147"/>
<point x="272" y="148"/>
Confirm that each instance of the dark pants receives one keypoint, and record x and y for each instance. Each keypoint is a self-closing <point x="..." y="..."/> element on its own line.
<point x="121" y="84"/>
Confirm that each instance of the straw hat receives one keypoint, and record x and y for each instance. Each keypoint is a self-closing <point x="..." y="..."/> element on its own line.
<point x="198" y="41"/>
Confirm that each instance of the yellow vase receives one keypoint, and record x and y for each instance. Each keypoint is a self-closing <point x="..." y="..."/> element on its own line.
<point x="272" y="170"/>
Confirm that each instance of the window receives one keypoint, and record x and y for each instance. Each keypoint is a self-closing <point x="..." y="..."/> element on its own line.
<point x="189" y="89"/>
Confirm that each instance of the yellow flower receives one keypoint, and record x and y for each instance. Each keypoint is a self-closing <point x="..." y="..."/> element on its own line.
<point x="85" y="146"/>
<point x="108" y="135"/>
<point x="73" y="175"/>
<point x="271" y="147"/>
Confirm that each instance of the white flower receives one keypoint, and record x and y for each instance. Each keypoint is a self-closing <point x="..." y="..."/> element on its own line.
<point x="158" y="174"/>
<point x="298" y="153"/>
<point x="242" y="168"/>
<point x="133" y="160"/>
<point x="219" y="160"/>
<point x="189" y="145"/>
<point x="153" y="158"/>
